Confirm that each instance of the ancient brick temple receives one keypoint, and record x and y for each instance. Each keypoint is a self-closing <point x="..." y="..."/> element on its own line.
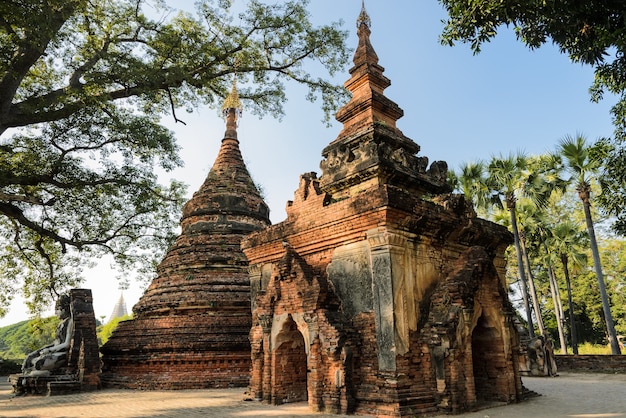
<point x="381" y="293"/>
<point x="190" y="328"/>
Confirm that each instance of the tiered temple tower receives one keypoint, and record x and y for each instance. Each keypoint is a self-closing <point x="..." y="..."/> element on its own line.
<point x="190" y="328"/>
<point x="381" y="293"/>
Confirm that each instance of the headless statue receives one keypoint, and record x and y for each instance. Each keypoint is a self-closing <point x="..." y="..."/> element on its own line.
<point x="53" y="356"/>
<point x="540" y="358"/>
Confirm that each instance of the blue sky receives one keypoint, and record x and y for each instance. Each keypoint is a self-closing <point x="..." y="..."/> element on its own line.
<point x="457" y="106"/>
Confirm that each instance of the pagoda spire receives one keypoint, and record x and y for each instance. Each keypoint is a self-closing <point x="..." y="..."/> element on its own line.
<point x="367" y="83"/>
<point x="232" y="110"/>
<point x="365" y="52"/>
<point x="119" y="310"/>
<point x="228" y="174"/>
<point x="370" y="150"/>
<point x="364" y="18"/>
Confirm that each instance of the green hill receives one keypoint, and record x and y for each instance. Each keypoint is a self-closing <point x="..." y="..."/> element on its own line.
<point x="17" y="340"/>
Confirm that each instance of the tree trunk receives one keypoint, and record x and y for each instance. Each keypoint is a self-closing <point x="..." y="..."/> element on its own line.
<point x="572" y="322"/>
<point x="520" y="269"/>
<point x="531" y="286"/>
<point x="558" y="308"/>
<point x="610" y="327"/>
<point x="556" y="297"/>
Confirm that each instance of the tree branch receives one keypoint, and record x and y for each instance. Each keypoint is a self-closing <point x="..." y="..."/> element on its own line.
<point x="18" y="215"/>
<point x="9" y="197"/>
<point x="27" y="53"/>
<point x="89" y="64"/>
<point x="169" y="95"/>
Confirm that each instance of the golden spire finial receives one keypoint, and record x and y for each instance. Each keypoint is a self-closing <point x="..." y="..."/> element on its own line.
<point x="363" y="17"/>
<point x="232" y="100"/>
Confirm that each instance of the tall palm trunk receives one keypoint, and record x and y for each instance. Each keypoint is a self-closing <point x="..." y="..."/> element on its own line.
<point x="558" y="309"/>
<point x="520" y="265"/>
<point x="583" y="193"/>
<point x="556" y="299"/>
<point x="572" y="322"/>
<point x="531" y="285"/>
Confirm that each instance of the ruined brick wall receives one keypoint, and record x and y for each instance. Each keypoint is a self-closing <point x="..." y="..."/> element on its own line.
<point x="382" y="393"/>
<point x="176" y="354"/>
<point x="290" y="367"/>
<point x="300" y="341"/>
<point x="591" y="363"/>
<point x="84" y="356"/>
<point x="346" y="241"/>
<point x="193" y="334"/>
<point x="471" y="334"/>
<point x="381" y="233"/>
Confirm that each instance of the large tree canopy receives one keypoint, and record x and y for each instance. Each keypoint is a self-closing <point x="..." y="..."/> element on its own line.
<point x="83" y="85"/>
<point x="591" y="32"/>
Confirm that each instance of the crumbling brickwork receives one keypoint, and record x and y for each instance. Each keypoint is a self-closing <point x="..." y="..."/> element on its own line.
<point x="83" y="357"/>
<point x="190" y="328"/>
<point x="386" y="288"/>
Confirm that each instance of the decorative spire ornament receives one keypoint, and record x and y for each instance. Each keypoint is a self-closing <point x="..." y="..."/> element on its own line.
<point x="364" y="18"/>
<point x="232" y="103"/>
<point x="232" y="110"/>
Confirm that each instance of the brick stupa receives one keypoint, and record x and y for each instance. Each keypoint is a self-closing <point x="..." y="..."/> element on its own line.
<point x="190" y="328"/>
<point x="381" y="293"/>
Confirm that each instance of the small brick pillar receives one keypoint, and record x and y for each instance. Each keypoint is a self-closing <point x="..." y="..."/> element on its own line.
<point x="84" y="357"/>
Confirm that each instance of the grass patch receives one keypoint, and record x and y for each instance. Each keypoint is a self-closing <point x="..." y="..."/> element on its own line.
<point x="588" y="348"/>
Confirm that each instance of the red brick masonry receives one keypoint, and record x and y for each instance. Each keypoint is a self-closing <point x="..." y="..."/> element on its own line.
<point x="591" y="363"/>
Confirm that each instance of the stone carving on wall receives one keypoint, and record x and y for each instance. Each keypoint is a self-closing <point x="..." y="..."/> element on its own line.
<point x="354" y="161"/>
<point x="336" y="158"/>
<point x="401" y="156"/>
<point x="367" y="150"/>
<point x="456" y="203"/>
<point x="373" y="151"/>
<point x="350" y="274"/>
<point x="438" y="171"/>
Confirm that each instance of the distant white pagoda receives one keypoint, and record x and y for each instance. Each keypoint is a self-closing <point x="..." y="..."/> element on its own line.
<point x="119" y="309"/>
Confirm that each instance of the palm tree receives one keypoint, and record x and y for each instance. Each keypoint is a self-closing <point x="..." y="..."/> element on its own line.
<point x="505" y="178"/>
<point x="539" y="227"/>
<point x="581" y="167"/>
<point x="472" y="183"/>
<point x="542" y="184"/>
<point x="556" y="298"/>
<point x="543" y="233"/>
<point x="531" y="279"/>
<point x="536" y="179"/>
<point x="564" y="240"/>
